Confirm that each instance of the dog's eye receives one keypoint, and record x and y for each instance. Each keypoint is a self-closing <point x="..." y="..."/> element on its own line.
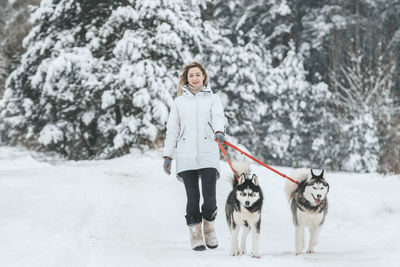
<point x="243" y="194"/>
<point x="251" y="194"/>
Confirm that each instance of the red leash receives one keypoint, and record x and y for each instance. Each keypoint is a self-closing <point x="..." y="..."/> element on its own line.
<point x="226" y="156"/>
<point x="253" y="158"/>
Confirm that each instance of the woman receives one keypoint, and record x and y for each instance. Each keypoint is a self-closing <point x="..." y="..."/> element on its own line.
<point x="195" y="121"/>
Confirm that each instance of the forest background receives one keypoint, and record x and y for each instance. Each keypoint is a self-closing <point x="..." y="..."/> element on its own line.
<point x="303" y="82"/>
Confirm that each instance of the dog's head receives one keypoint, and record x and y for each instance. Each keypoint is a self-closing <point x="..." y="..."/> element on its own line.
<point x="248" y="190"/>
<point x="316" y="189"/>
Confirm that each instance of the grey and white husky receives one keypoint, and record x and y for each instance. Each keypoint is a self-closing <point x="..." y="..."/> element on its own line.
<point x="243" y="209"/>
<point x="309" y="205"/>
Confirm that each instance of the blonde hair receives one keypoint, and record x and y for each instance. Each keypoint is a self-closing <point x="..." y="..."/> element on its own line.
<point x="183" y="78"/>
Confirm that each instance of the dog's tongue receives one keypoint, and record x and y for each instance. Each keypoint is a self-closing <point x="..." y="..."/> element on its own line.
<point x="318" y="201"/>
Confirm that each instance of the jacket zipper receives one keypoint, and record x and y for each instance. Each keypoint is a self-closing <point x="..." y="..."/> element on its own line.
<point x="197" y="132"/>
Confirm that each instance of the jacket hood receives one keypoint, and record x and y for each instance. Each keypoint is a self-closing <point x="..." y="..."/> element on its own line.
<point x="206" y="91"/>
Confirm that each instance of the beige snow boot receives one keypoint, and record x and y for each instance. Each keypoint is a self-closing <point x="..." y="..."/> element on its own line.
<point x="196" y="237"/>
<point x="209" y="234"/>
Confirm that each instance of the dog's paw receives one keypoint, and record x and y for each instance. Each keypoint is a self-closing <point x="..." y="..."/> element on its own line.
<point x="310" y="251"/>
<point x="298" y="253"/>
<point x="234" y="252"/>
<point x="255" y="255"/>
<point x="242" y="251"/>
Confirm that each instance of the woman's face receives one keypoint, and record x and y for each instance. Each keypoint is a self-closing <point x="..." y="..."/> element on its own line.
<point x="195" y="77"/>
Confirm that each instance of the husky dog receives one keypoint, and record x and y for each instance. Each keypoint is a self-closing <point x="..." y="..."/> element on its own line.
<point x="243" y="208"/>
<point x="309" y="205"/>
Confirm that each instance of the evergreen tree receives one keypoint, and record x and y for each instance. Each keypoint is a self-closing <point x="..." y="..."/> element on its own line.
<point x="304" y="83"/>
<point x="237" y="72"/>
<point x="277" y="106"/>
<point x="293" y="126"/>
<point x="97" y="78"/>
<point x="14" y="26"/>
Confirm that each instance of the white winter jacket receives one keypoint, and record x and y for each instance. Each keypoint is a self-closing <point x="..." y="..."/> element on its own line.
<point x="192" y="122"/>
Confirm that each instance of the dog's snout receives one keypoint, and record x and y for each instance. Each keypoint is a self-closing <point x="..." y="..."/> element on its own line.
<point x="247" y="203"/>
<point x="319" y="196"/>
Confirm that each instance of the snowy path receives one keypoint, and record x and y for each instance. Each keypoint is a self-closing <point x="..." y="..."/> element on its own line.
<point x="126" y="212"/>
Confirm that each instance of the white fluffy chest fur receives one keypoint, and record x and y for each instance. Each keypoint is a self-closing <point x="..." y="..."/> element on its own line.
<point x="245" y="215"/>
<point x="309" y="219"/>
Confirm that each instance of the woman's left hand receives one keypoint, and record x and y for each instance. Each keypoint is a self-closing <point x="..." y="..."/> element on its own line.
<point x="167" y="165"/>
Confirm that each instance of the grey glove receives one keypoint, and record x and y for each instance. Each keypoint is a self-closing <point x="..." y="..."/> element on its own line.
<point x="220" y="136"/>
<point x="167" y="165"/>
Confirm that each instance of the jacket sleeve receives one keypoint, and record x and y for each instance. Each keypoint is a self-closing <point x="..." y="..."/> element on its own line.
<point x="173" y="129"/>
<point x="217" y="114"/>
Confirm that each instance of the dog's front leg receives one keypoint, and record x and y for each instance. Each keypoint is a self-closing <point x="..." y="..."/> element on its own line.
<point x="314" y="233"/>
<point x="246" y="230"/>
<point x="234" y="243"/>
<point x="255" y="236"/>
<point x="299" y="239"/>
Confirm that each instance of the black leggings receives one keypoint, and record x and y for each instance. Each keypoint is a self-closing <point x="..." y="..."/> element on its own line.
<point x="208" y="186"/>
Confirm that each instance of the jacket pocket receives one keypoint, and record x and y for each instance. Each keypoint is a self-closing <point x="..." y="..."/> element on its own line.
<point x="209" y="131"/>
<point x="182" y="144"/>
<point x="208" y="139"/>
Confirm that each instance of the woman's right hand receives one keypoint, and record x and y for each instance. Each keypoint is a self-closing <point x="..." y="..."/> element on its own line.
<point x="220" y="136"/>
<point x="167" y="165"/>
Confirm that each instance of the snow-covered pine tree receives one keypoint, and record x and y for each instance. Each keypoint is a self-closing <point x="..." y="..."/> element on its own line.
<point x="237" y="77"/>
<point x="242" y="70"/>
<point x="14" y="26"/>
<point x="52" y="98"/>
<point x="149" y="58"/>
<point x="293" y="128"/>
<point x="273" y="109"/>
<point x="267" y="24"/>
<point x="97" y="78"/>
<point x="316" y="25"/>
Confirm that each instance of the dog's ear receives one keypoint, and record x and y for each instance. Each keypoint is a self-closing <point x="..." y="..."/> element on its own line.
<point x="322" y="173"/>
<point x="242" y="178"/>
<point x="312" y="174"/>
<point x="254" y="180"/>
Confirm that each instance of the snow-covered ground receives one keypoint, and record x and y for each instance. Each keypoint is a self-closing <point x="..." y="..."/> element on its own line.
<point x="127" y="212"/>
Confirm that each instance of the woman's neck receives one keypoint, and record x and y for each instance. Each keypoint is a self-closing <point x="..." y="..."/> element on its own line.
<point x="195" y="90"/>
